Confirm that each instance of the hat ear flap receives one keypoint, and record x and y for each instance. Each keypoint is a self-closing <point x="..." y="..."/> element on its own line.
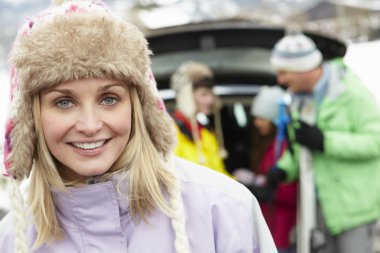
<point x="185" y="98"/>
<point x="20" y="133"/>
<point x="218" y="127"/>
<point x="158" y="122"/>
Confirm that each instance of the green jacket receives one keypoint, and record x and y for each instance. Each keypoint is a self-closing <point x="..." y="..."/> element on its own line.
<point x="347" y="173"/>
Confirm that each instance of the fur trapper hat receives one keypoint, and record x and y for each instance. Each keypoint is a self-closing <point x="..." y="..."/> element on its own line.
<point x="198" y="73"/>
<point x="69" y="41"/>
<point x="185" y="79"/>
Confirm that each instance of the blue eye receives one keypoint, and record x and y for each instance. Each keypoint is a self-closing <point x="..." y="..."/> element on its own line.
<point x="109" y="101"/>
<point x="64" y="103"/>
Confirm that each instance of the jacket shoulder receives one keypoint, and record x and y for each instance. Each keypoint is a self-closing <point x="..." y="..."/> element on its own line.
<point x="225" y="206"/>
<point x="220" y="184"/>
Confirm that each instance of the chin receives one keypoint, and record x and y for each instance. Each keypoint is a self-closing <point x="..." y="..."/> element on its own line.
<point x="91" y="171"/>
<point x="263" y="132"/>
<point x="207" y="112"/>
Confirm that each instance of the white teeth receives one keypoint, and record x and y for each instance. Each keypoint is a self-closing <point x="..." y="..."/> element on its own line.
<point x="91" y="145"/>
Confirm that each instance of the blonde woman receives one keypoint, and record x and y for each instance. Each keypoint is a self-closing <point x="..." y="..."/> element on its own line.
<point x="88" y="130"/>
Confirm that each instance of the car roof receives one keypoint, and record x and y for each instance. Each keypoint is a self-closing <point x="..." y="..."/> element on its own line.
<point x="237" y="51"/>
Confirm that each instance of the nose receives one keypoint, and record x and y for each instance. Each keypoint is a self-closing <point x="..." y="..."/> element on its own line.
<point x="256" y="122"/>
<point x="210" y="99"/>
<point x="88" y="122"/>
<point x="281" y="79"/>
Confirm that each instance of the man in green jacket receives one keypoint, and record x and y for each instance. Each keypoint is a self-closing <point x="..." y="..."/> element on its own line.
<point x="337" y="120"/>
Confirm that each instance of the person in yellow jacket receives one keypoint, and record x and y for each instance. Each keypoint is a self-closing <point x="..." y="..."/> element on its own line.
<point x="193" y="83"/>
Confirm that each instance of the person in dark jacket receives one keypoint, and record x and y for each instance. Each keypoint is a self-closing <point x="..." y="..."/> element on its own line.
<point x="278" y="207"/>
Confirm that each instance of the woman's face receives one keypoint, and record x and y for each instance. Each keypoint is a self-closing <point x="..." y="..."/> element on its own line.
<point x="204" y="99"/>
<point x="86" y="124"/>
<point x="264" y="126"/>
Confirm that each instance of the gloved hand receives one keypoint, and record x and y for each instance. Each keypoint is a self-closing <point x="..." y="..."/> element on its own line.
<point x="244" y="176"/>
<point x="274" y="177"/>
<point x="310" y="136"/>
<point x="261" y="193"/>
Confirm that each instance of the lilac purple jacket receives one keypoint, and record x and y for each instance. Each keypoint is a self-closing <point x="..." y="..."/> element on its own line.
<point x="222" y="216"/>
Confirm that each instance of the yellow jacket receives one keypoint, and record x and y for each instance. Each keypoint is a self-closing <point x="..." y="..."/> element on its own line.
<point x="209" y="148"/>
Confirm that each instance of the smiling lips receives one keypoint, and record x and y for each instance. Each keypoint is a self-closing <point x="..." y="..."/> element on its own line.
<point x="88" y="145"/>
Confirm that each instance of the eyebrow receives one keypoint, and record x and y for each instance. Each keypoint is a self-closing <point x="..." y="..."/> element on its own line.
<point x="108" y="86"/>
<point x="101" y="89"/>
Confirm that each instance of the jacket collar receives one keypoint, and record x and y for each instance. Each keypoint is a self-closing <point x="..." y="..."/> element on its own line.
<point x="79" y="206"/>
<point x="336" y="86"/>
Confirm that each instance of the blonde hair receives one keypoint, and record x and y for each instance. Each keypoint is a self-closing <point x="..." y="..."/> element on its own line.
<point x="150" y="179"/>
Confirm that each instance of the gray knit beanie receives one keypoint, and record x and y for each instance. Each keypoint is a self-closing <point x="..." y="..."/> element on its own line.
<point x="295" y="53"/>
<point x="265" y="104"/>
